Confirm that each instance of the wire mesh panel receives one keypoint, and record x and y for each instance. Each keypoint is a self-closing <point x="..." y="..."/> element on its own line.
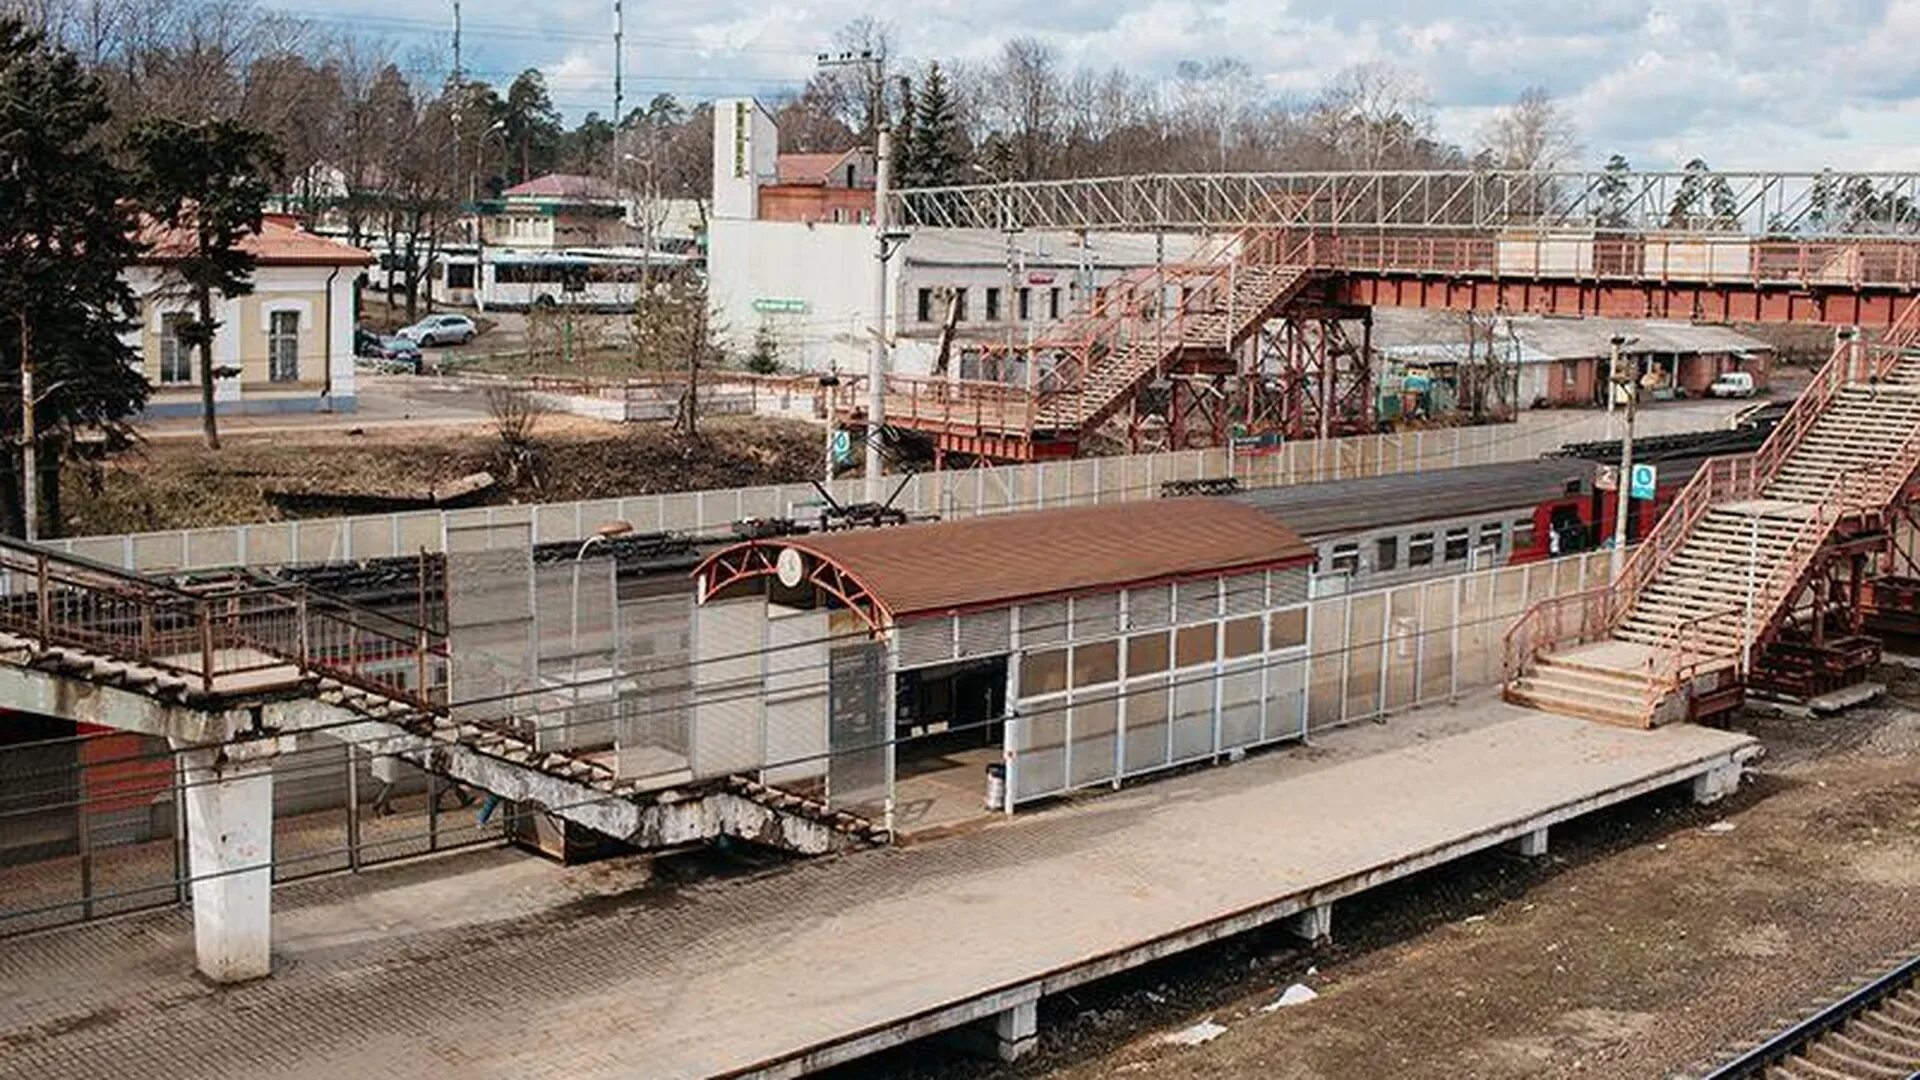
<point x="577" y="643"/>
<point x="1365" y="666"/>
<point x="1327" y="624"/>
<point x="310" y="811"/>
<point x="858" y="721"/>
<point x="651" y="734"/>
<point x="1403" y="647"/>
<point x="490" y="631"/>
<point x="1438" y="614"/>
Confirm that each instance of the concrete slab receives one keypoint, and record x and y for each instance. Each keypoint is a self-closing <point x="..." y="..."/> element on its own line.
<point x="794" y="970"/>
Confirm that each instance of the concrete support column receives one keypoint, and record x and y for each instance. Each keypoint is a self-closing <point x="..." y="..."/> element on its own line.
<point x="1716" y="783"/>
<point x="1532" y="845"/>
<point x="1313" y="926"/>
<point x="1017" y="1030"/>
<point x="229" y="802"/>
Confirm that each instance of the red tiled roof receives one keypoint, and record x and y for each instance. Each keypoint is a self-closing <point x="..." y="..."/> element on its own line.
<point x="807" y="168"/>
<point x="1000" y="559"/>
<point x="563" y="186"/>
<point x="276" y="244"/>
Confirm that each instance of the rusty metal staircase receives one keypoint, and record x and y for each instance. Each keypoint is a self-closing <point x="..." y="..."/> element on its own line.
<point x="1676" y="632"/>
<point x="1187" y="315"/>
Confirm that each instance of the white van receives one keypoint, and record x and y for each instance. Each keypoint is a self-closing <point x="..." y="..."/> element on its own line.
<point x="1732" y="384"/>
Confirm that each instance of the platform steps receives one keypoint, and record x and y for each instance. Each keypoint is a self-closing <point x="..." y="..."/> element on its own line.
<point x="1574" y="687"/>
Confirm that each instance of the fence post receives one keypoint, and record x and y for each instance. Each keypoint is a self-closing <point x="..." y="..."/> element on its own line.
<point x="206" y="646"/>
<point x="353" y="810"/>
<point x="44" y="599"/>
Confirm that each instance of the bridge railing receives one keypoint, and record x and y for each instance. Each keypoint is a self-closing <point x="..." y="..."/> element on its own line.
<point x="225" y="636"/>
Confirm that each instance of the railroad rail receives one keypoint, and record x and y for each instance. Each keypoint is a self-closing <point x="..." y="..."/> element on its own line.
<point x="1872" y="1033"/>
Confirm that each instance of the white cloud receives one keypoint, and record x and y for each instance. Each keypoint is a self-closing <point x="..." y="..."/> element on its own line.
<point x="1748" y="83"/>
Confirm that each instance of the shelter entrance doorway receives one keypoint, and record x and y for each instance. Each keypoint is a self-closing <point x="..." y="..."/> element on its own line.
<point x="948" y="727"/>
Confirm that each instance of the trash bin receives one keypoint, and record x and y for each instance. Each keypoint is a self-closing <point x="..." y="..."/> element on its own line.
<point x="996" y="786"/>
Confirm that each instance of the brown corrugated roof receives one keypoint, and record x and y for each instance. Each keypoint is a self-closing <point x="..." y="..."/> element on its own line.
<point x="1005" y="558"/>
<point x="276" y="244"/>
<point x="808" y="168"/>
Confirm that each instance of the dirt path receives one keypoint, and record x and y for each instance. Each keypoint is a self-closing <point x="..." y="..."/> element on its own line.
<point x="1649" y="939"/>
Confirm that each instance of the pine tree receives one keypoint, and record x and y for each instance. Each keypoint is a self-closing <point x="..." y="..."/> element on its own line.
<point x="66" y="238"/>
<point x="206" y="183"/>
<point x="937" y="151"/>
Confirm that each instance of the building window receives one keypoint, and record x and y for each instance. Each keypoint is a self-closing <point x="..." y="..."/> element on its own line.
<point x="176" y="357"/>
<point x="993" y="304"/>
<point x="851" y="174"/>
<point x="283" y="346"/>
<point x="1053" y="303"/>
<point x="960" y="304"/>
<point x="1490" y="535"/>
<point x="1346" y="558"/>
<point x="459" y="275"/>
<point x="1420" y="549"/>
<point x="1457" y="544"/>
<point x="924" y="309"/>
<point x="839" y="215"/>
<point x="1026" y="303"/>
<point x="1386" y="553"/>
<point x="1287" y="629"/>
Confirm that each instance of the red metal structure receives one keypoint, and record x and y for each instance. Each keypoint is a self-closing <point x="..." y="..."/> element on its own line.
<point x="1251" y="331"/>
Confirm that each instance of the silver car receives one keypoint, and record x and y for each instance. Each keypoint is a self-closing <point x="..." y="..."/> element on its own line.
<point x="444" y="329"/>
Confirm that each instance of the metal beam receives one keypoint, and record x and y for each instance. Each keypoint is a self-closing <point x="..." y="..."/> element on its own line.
<point x="1787" y="205"/>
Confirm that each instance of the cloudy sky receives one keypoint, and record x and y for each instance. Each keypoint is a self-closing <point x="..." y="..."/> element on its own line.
<point x="1743" y="83"/>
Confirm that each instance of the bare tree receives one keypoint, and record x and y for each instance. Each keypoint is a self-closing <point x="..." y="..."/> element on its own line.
<point x="1532" y="134"/>
<point x="1028" y="102"/>
<point x="1214" y="100"/>
<point x="1374" y="116"/>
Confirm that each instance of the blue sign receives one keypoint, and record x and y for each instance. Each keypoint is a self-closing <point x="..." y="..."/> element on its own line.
<point x="842" y="447"/>
<point x="1645" y="479"/>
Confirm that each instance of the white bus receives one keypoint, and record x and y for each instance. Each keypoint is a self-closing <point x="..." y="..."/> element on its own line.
<point x="595" y="279"/>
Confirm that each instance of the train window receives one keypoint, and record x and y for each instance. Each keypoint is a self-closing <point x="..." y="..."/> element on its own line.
<point x="1420" y="549"/>
<point x="1490" y="535"/>
<point x="1346" y="558"/>
<point x="1457" y="544"/>
<point x="1386" y="553"/>
<point x="1522" y="533"/>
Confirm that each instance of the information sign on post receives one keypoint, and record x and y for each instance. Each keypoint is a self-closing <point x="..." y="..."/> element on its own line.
<point x="1645" y="479"/>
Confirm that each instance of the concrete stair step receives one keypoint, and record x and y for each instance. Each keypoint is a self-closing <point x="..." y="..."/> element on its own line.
<point x="1584" y="708"/>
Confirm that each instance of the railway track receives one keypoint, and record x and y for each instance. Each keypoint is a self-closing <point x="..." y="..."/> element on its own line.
<point x="1872" y="1033"/>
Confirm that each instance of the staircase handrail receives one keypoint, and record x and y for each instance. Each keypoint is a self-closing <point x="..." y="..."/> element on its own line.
<point x="1852" y="361"/>
<point x="1717" y="479"/>
<point x="1678" y="658"/>
<point x="244" y="627"/>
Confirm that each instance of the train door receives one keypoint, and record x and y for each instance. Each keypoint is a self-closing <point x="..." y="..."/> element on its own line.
<point x="1567" y="530"/>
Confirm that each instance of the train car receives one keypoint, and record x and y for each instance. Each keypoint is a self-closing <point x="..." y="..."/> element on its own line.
<point x="1381" y="531"/>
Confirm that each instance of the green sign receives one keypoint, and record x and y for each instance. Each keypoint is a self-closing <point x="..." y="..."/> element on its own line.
<point x="842" y="447"/>
<point x="775" y="305"/>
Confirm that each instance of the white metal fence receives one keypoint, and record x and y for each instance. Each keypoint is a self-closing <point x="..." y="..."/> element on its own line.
<point x="950" y="494"/>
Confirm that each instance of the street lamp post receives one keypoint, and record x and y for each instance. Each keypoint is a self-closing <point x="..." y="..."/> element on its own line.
<point x="1627" y="389"/>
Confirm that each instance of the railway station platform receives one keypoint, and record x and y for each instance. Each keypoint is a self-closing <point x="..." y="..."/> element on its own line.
<point x="796" y="969"/>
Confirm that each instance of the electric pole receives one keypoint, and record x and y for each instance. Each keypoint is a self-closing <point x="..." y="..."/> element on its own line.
<point x="877" y="363"/>
<point x="882" y="170"/>
<point x="1627" y="389"/>
<point x="619" y="94"/>
<point x="29" y="437"/>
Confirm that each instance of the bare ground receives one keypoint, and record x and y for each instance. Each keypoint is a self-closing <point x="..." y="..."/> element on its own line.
<point x="177" y="484"/>
<point x="1642" y="945"/>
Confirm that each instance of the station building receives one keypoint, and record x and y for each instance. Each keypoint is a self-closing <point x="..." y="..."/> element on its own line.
<point x="1071" y="647"/>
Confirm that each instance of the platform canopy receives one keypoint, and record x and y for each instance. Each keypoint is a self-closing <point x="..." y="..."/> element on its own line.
<point x="889" y="574"/>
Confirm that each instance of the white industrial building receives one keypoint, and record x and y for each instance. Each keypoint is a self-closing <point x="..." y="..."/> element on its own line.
<point x="810" y="283"/>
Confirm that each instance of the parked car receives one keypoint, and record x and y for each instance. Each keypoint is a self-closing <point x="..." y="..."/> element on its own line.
<point x="388" y="347"/>
<point x="443" y="329"/>
<point x="1732" y="384"/>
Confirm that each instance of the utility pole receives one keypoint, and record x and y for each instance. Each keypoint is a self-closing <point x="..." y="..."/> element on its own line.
<point x="882" y="170"/>
<point x="619" y="95"/>
<point x="1627" y="388"/>
<point x="29" y="436"/>
<point x="877" y="363"/>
